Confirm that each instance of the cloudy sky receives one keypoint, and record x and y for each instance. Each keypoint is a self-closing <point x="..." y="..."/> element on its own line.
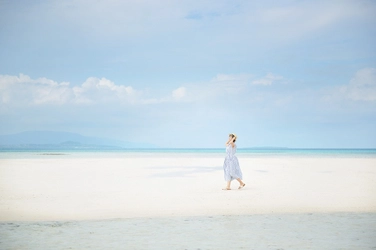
<point x="178" y="73"/>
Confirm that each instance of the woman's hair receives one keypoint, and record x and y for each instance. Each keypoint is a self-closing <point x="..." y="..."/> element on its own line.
<point x="232" y="135"/>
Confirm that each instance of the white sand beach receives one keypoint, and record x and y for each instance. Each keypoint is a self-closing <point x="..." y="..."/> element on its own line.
<point x="107" y="188"/>
<point x="179" y="190"/>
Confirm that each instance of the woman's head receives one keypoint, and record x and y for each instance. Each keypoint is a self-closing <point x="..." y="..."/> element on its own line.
<point x="233" y="136"/>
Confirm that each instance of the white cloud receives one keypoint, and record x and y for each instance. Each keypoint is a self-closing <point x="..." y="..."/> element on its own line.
<point x="22" y="91"/>
<point x="95" y="89"/>
<point x="310" y="16"/>
<point x="223" y="85"/>
<point x="179" y="93"/>
<point x="6" y="80"/>
<point x="362" y="86"/>
<point x="269" y="79"/>
<point x="287" y="22"/>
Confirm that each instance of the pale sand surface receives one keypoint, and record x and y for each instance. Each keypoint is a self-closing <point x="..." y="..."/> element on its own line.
<point x="106" y="188"/>
<point x="288" y="203"/>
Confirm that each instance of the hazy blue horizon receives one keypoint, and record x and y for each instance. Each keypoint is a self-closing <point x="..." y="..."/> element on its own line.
<point x="58" y="140"/>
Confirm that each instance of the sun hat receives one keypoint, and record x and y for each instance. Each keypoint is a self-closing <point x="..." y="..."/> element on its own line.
<point x="236" y="137"/>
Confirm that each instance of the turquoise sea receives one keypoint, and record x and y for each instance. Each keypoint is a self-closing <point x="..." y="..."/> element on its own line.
<point x="185" y="152"/>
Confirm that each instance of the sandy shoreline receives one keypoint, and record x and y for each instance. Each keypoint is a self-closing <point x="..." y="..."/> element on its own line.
<point x="108" y="188"/>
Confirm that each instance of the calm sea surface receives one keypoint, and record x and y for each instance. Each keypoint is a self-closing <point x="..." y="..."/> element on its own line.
<point x="188" y="152"/>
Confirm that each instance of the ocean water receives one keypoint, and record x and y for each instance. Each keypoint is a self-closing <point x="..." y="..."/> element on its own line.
<point x="185" y="152"/>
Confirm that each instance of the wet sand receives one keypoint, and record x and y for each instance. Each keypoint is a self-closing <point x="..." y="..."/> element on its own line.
<point x="267" y="231"/>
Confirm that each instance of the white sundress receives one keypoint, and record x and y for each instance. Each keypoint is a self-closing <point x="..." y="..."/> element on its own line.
<point x="231" y="165"/>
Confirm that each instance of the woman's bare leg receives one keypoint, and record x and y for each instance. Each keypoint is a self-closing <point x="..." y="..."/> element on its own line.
<point x="241" y="183"/>
<point x="227" y="186"/>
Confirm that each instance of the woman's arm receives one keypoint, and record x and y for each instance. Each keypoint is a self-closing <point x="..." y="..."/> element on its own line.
<point x="228" y="141"/>
<point x="231" y="141"/>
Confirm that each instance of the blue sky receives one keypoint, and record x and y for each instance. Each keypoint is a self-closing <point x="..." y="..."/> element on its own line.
<point x="187" y="73"/>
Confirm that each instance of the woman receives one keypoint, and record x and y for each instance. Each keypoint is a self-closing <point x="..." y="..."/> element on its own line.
<point x="231" y="165"/>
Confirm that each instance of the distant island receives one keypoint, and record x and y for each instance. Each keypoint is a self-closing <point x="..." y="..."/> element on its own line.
<point x="63" y="140"/>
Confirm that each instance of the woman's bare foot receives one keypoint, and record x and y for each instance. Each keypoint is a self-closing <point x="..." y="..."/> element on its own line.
<point x="226" y="188"/>
<point x="241" y="186"/>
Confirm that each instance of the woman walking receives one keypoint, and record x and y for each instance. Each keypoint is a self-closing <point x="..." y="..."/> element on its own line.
<point x="231" y="165"/>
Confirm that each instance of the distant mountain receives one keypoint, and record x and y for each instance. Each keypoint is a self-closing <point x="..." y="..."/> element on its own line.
<point x="63" y="140"/>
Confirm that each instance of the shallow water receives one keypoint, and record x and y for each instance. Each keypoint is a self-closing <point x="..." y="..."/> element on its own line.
<point x="192" y="152"/>
<point x="269" y="231"/>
